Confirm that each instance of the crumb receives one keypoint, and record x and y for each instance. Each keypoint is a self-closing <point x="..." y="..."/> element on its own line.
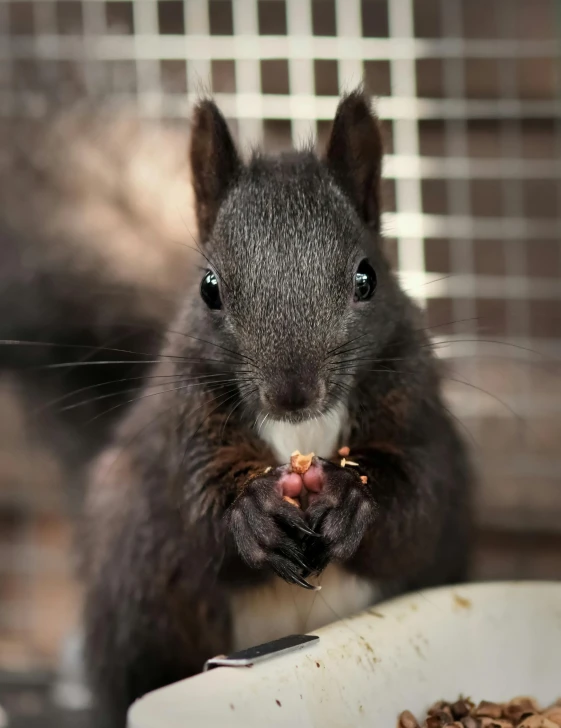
<point x="268" y="470"/>
<point x="364" y="479"/>
<point x="344" y="452"/>
<point x="300" y="463"/>
<point x="351" y="463"/>
<point x="343" y="462"/>
<point x="292" y="501"/>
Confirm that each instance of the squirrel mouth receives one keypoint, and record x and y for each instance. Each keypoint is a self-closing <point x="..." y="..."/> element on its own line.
<point x="294" y="401"/>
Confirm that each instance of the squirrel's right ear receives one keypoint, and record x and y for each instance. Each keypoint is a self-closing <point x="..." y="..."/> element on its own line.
<point x="354" y="155"/>
<point x="215" y="164"/>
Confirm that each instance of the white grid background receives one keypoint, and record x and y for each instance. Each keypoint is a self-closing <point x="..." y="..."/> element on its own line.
<point x="122" y="48"/>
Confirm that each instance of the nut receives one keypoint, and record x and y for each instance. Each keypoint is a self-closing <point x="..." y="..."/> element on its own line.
<point x="520" y="712"/>
<point x="470" y="722"/>
<point x="537" y="721"/>
<point x="554" y="714"/>
<point x="461" y="708"/>
<point x="300" y="463"/>
<point x="406" y="719"/>
<point x="290" y="500"/>
<point x="485" y="709"/>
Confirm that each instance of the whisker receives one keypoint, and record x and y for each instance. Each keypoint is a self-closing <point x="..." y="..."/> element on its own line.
<point x="68" y="395"/>
<point x="227" y="418"/>
<point x="348" y="371"/>
<point x="462" y="424"/>
<point x="66" y="365"/>
<point x="427" y="283"/>
<point x="361" y="348"/>
<point x="58" y="345"/>
<point x="212" y="343"/>
<point x="496" y="341"/>
<point x="137" y="399"/>
<point x="260" y="428"/>
<point x="341" y="346"/>
<point x="449" y="323"/>
<point x="152" y="386"/>
<point x="489" y="394"/>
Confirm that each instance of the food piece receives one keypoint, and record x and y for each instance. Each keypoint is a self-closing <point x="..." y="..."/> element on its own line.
<point x="364" y="479"/>
<point x="537" y="721"/>
<point x="435" y="721"/>
<point x="520" y="712"/>
<point x="519" y="708"/>
<point x="439" y="717"/>
<point x="268" y="470"/>
<point x="406" y="719"/>
<point x="485" y="709"/>
<point x="351" y="463"/>
<point x="461" y="708"/>
<point x="300" y="463"/>
<point x="487" y="722"/>
<point x="292" y="501"/>
<point x="344" y="452"/>
<point x="554" y="714"/>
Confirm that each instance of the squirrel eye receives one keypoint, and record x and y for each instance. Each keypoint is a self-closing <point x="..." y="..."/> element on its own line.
<point x="210" y="291"/>
<point x="365" y="281"/>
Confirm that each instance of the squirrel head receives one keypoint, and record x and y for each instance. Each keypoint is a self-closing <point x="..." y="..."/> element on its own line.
<point x="296" y="282"/>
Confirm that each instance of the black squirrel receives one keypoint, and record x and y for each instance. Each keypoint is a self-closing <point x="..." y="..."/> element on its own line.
<point x="298" y="337"/>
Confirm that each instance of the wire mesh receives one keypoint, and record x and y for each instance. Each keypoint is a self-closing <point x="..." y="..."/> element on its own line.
<point x="468" y="94"/>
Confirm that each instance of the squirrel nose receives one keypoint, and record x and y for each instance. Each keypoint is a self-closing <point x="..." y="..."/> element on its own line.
<point x="292" y="396"/>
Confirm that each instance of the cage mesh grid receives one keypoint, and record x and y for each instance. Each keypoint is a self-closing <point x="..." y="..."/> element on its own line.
<point x="468" y="92"/>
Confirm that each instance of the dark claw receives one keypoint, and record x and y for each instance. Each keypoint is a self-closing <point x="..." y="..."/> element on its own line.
<point x="317" y="556"/>
<point x="303" y="583"/>
<point x="341" y="514"/>
<point x="305" y="529"/>
<point x="285" y="569"/>
<point x="269" y="533"/>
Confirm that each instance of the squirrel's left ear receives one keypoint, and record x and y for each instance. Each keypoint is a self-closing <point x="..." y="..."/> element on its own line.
<point x="354" y="155"/>
<point x="215" y="164"/>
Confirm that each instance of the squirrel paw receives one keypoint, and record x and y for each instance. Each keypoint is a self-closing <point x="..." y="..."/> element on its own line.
<point x="267" y="530"/>
<point x="341" y="510"/>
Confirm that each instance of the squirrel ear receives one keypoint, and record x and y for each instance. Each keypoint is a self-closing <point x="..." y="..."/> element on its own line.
<point x="354" y="155"/>
<point x="215" y="163"/>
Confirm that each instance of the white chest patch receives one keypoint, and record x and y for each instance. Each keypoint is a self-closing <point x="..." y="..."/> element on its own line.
<point x="278" y="609"/>
<point x="321" y="435"/>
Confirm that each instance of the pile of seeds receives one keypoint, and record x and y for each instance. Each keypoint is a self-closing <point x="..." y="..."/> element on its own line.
<point x="520" y="712"/>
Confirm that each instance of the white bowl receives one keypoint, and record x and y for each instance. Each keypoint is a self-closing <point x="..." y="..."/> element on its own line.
<point x="487" y="641"/>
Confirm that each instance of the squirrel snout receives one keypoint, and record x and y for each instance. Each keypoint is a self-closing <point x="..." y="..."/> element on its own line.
<point x="293" y="395"/>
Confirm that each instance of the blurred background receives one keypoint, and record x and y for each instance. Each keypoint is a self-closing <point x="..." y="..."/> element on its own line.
<point x="95" y="218"/>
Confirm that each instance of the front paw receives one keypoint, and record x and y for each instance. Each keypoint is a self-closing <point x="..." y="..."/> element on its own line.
<point x="341" y="509"/>
<point x="268" y="530"/>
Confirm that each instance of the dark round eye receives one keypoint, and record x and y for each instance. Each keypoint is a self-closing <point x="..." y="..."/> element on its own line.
<point x="365" y="281"/>
<point x="210" y="291"/>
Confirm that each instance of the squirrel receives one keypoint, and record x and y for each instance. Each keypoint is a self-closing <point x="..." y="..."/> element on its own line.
<point x="298" y="336"/>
